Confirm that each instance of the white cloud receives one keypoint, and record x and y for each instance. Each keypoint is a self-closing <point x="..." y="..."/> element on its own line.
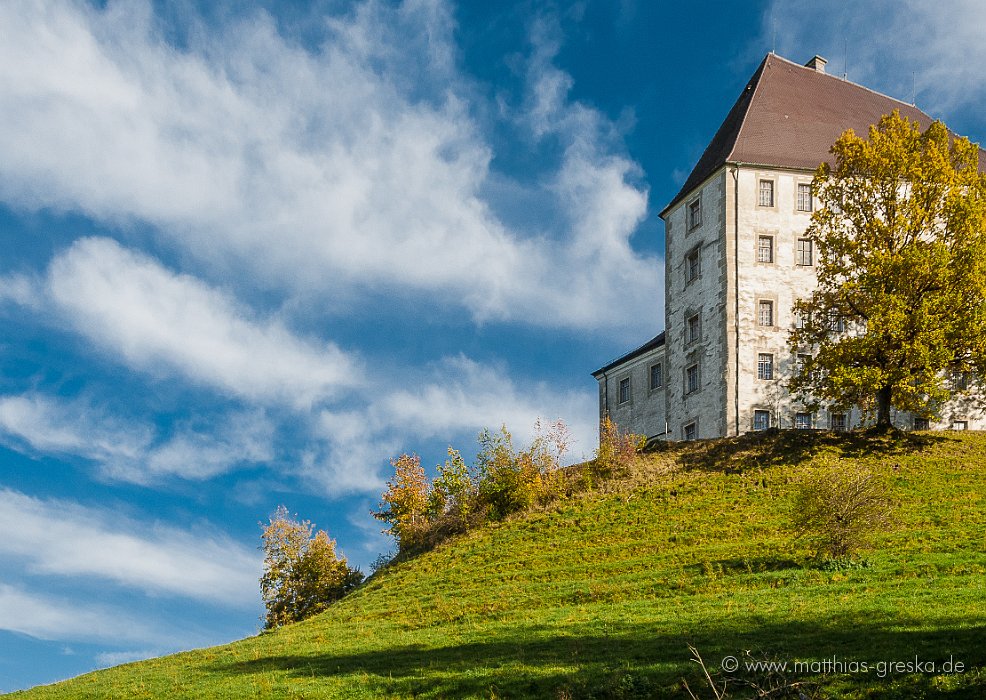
<point x="458" y="397"/>
<point x="130" y="450"/>
<point x="191" y="454"/>
<point x="71" y="427"/>
<point x="57" y="537"/>
<point x="44" y="618"/>
<point x="355" y="166"/>
<point x="21" y="290"/>
<point x="895" y="45"/>
<point x="154" y="319"/>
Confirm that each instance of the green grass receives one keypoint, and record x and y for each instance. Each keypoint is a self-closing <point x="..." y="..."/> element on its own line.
<point x="600" y="594"/>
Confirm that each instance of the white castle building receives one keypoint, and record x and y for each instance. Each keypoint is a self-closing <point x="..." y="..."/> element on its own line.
<point x="737" y="259"/>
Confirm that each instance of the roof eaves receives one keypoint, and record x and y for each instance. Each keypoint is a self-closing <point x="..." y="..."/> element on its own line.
<point x="655" y="342"/>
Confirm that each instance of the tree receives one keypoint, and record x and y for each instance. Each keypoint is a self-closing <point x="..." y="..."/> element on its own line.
<point x="405" y="503"/>
<point x="900" y="306"/>
<point x="302" y="574"/>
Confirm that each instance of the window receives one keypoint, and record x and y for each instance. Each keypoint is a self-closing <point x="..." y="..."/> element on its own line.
<point x="765" y="196"/>
<point x="838" y="422"/>
<point x="804" y="197"/>
<point x="802" y="364"/>
<point x="693" y="329"/>
<point x="838" y="324"/>
<point x="960" y="425"/>
<point x="805" y="252"/>
<point x="765" y="313"/>
<point x="761" y="420"/>
<point x="695" y="213"/>
<point x="802" y="421"/>
<point x="765" y="249"/>
<point x="693" y="265"/>
<point x="765" y="366"/>
<point x="960" y="380"/>
<point x="690" y="431"/>
<point x="922" y="424"/>
<point x="656" y="376"/>
<point x="692" y="379"/>
<point x="800" y="319"/>
<point x="624" y="390"/>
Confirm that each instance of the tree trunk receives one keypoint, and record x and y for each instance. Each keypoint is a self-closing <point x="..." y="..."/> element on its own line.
<point x="883" y="397"/>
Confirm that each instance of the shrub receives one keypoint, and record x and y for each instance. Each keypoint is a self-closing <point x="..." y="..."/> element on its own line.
<point x="505" y="481"/>
<point x="617" y="449"/>
<point x="302" y="574"/>
<point x="840" y="511"/>
<point x="512" y="481"/>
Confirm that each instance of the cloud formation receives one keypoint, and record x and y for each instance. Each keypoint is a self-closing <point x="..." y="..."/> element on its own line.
<point x="131" y="450"/>
<point x="64" y="538"/>
<point x="357" y="165"/>
<point x="27" y="613"/>
<point x="895" y="46"/>
<point x="151" y="317"/>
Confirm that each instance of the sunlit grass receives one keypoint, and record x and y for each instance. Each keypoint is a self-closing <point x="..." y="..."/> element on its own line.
<point x="599" y="595"/>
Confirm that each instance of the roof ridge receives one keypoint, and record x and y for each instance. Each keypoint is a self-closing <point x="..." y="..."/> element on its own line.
<point x="761" y="70"/>
<point x="854" y="84"/>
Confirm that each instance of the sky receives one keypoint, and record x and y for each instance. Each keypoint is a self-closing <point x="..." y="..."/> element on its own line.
<point x="253" y="250"/>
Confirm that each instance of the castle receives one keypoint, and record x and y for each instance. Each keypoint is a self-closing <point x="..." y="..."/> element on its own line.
<point x="736" y="260"/>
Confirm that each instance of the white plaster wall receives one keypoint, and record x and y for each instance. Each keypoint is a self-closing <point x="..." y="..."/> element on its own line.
<point x="644" y="413"/>
<point x="704" y="295"/>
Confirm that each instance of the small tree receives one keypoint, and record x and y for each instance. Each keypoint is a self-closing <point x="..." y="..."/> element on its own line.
<point x="840" y="511"/>
<point x="302" y="574"/>
<point x="452" y="489"/>
<point x="405" y="503"/>
<point x="901" y="297"/>
<point x="617" y="449"/>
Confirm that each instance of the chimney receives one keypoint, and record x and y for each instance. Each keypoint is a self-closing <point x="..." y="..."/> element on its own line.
<point x="817" y="64"/>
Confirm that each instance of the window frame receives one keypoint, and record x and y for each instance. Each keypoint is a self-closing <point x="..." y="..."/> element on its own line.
<point x="697" y="367"/>
<point x="693" y="214"/>
<point x="690" y="337"/>
<point x="765" y="367"/>
<point x="772" y="253"/>
<point x="693" y="272"/>
<point x="624" y="382"/>
<point x="758" y="413"/>
<point x="659" y="366"/>
<point x="761" y="304"/>
<point x="800" y="424"/>
<point x="805" y="245"/>
<point x="841" y="425"/>
<point x="693" y="426"/>
<point x="771" y="190"/>
<point x="801" y="188"/>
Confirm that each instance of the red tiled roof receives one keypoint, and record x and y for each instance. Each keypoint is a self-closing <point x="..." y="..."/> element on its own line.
<point x="789" y="116"/>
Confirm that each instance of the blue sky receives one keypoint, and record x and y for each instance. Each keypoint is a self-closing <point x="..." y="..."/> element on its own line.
<point x="251" y="251"/>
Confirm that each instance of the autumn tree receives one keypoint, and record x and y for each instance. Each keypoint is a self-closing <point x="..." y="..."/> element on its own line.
<point x="900" y="306"/>
<point x="302" y="573"/>
<point x="404" y="504"/>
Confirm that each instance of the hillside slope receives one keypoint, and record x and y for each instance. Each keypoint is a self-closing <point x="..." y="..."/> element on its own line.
<point x="600" y="595"/>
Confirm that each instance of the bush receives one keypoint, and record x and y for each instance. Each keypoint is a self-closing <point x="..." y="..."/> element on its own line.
<point x="617" y="450"/>
<point x="302" y="574"/>
<point x="503" y="481"/>
<point x="840" y="511"/>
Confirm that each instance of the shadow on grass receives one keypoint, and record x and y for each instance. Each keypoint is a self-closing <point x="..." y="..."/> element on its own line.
<point x="786" y="447"/>
<point x="746" y="565"/>
<point x="643" y="661"/>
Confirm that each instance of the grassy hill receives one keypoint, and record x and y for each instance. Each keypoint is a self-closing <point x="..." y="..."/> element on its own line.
<point x="600" y="595"/>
